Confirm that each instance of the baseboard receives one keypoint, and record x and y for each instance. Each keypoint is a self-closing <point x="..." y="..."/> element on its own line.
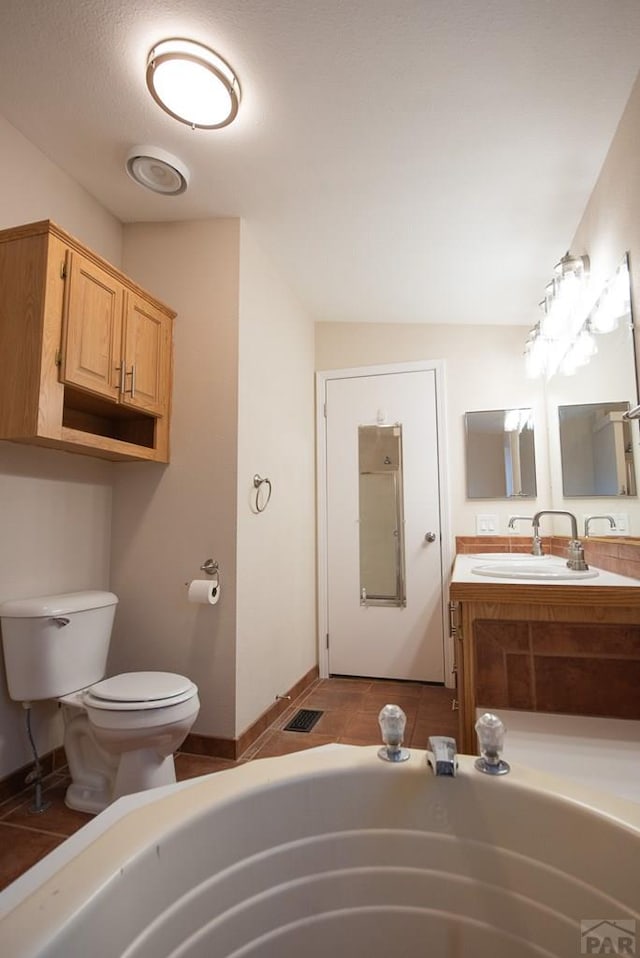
<point x="14" y="783"/>
<point x="195" y="744"/>
<point x="229" y="748"/>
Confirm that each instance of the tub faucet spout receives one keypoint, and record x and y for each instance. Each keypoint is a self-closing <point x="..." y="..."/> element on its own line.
<point x="441" y="755"/>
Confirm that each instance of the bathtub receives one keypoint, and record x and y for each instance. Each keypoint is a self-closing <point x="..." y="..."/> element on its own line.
<point x="332" y="852"/>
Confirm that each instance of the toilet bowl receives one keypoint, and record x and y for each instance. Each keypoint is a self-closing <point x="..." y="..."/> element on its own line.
<point x="120" y="732"/>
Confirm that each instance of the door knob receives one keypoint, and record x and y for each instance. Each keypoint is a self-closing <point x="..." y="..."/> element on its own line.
<point x="430" y="537"/>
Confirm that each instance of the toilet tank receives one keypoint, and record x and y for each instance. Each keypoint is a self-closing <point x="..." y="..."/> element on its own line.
<point x="56" y="644"/>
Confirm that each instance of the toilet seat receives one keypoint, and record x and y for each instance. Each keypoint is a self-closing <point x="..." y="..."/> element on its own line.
<point x="139" y="691"/>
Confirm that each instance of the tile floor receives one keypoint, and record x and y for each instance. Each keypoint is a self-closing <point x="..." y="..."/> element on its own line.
<point x="350" y="708"/>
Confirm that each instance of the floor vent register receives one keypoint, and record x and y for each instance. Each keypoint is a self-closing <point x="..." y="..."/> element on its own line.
<point x="303" y="720"/>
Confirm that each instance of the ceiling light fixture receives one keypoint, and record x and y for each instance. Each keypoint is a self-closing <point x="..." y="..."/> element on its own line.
<point x="193" y="84"/>
<point x="157" y="170"/>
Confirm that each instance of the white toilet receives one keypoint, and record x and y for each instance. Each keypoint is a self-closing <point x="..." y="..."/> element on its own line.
<point x="121" y="732"/>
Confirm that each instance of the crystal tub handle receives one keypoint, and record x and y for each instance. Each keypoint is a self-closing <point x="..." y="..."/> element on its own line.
<point x="392" y="721"/>
<point x="490" y="730"/>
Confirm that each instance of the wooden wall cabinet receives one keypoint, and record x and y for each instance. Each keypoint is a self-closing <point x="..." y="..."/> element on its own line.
<point x="87" y="354"/>
<point x="554" y="649"/>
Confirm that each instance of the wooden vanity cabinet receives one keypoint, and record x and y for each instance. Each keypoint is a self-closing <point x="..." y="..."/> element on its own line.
<point x="554" y="649"/>
<point x="87" y="353"/>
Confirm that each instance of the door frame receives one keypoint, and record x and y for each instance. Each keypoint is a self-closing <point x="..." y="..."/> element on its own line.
<point x="322" y="378"/>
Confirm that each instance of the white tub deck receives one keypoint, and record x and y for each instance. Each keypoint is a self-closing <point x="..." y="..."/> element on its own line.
<point x="332" y="851"/>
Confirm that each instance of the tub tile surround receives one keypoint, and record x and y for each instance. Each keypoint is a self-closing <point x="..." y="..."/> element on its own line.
<point x="350" y="708"/>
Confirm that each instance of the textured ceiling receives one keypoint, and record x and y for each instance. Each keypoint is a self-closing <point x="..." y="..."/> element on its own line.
<point x="403" y="161"/>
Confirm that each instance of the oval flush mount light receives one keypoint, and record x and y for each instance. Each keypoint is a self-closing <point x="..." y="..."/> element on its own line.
<point x="157" y="170"/>
<point x="193" y="84"/>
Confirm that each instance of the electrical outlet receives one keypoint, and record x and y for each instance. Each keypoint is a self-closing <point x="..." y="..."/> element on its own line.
<point x="622" y="524"/>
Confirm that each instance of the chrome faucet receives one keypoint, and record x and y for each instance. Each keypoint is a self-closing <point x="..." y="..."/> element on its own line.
<point x="513" y="519"/>
<point x="441" y="755"/>
<point x="588" y="519"/>
<point x="576" y="552"/>
<point x="536" y="544"/>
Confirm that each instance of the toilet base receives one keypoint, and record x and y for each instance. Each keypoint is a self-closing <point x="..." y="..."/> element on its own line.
<point x="99" y="777"/>
<point x="137" y="771"/>
<point x="141" y="769"/>
<point x="85" y="799"/>
<point x="114" y="752"/>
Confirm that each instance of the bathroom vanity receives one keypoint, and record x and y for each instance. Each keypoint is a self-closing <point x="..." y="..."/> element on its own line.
<point x="87" y="352"/>
<point x="568" y="646"/>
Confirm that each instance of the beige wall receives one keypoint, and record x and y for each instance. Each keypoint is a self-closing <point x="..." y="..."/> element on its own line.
<point x="33" y="188"/>
<point x="243" y="403"/>
<point x="169" y="519"/>
<point x="276" y="572"/>
<point x="55" y="508"/>
<point x="610" y="224"/>
<point x="484" y="370"/>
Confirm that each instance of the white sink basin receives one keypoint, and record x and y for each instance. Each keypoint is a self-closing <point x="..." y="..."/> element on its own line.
<point x="535" y="569"/>
<point x="507" y="556"/>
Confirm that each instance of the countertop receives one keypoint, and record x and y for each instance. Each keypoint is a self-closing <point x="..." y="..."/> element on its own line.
<point x="606" y="588"/>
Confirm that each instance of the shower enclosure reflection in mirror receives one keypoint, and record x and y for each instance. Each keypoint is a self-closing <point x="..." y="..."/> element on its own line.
<point x="500" y="454"/>
<point x="381" y="515"/>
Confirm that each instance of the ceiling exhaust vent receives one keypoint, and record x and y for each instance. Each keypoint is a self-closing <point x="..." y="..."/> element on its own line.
<point x="157" y="170"/>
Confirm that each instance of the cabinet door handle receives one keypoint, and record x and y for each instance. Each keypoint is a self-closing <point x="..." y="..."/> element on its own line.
<point x="453" y="619"/>
<point x="120" y="386"/>
<point x="132" y="390"/>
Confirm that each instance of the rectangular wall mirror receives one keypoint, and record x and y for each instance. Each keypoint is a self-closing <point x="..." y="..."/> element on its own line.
<point x="500" y="454"/>
<point x="602" y="464"/>
<point x="596" y="450"/>
<point x="381" y="515"/>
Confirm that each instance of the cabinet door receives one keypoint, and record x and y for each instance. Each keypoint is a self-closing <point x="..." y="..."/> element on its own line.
<point x="92" y="328"/>
<point x="147" y="356"/>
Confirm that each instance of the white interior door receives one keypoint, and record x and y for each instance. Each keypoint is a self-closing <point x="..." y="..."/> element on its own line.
<point x="401" y="642"/>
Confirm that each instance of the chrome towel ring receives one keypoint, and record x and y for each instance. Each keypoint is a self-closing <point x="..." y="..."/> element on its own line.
<point x="261" y="503"/>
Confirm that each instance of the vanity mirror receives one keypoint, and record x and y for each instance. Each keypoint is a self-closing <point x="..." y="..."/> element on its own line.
<point x="596" y="450"/>
<point x="593" y="450"/>
<point x="381" y="515"/>
<point x="500" y="455"/>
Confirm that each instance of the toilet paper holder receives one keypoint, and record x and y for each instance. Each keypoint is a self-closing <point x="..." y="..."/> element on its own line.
<point x="210" y="567"/>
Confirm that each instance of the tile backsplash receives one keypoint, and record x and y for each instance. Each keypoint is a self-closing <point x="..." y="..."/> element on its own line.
<point x="612" y="554"/>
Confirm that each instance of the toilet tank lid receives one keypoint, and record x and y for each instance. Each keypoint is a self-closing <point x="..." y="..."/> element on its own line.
<point x="48" y="605"/>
